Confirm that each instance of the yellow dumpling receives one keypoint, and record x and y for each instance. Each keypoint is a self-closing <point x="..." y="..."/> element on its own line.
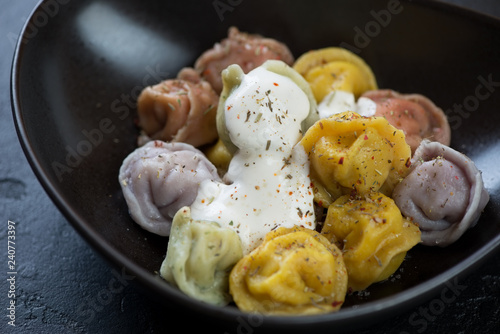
<point x="294" y="271"/>
<point x="219" y="155"/>
<point x="373" y="235"/>
<point x="335" y="68"/>
<point x="322" y="197"/>
<point x="350" y="152"/>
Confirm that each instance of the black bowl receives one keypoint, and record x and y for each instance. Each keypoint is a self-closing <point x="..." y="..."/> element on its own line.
<point x="79" y="67"/>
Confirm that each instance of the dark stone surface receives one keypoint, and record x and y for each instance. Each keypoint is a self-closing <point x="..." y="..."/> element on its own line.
<point x="62" y="286"/>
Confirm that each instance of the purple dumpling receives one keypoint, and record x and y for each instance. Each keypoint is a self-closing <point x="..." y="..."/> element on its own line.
<point x="159" y="178"/>
<point x="443" y="193"/>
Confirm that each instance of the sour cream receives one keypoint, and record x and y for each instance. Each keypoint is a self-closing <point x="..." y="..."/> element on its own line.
<point x="269" y="184"/>
<point x="341" y="101"/>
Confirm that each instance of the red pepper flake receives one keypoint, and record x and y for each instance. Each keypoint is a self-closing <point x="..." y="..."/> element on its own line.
<point x="337" y="303"/>
<point x="341" y="161"/>
<point x="366" y="137"/>
<point x="229" y="107"/>
<point x="456" y="177"/>
<point x="276" y="84"/>
<point x="321" y="125"/>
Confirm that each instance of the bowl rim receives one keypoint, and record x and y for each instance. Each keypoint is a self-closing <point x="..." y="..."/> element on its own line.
<point x="373" y="311"/>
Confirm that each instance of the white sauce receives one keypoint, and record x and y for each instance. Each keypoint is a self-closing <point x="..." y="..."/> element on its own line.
<point x="269" y="173"/>
<point x="340" y="101"/>
<point x="366" y="107"/>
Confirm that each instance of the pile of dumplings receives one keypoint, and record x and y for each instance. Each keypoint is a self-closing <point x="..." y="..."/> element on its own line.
<point x="285" y="184"/>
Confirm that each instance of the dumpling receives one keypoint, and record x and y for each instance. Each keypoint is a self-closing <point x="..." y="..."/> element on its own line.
<point x="415" y="114"/>
<point x="373" y="235"/>
<point x="200" y="256"/>
<point x="443" y="193"/>
<point x="159" y="178"/>
<point x="233" y="77"/>
<point x="178" y="110"/>
<point x="249" y="51"/>
<point x="294" y="271"/>
<point x="219" y="155"/>
<point x="349" y="152"/>
<point x="335" y="69"/>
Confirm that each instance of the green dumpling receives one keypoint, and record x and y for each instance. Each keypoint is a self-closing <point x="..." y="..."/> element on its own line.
<point x="200" y="256"/>
<point x="232" y="77"/>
